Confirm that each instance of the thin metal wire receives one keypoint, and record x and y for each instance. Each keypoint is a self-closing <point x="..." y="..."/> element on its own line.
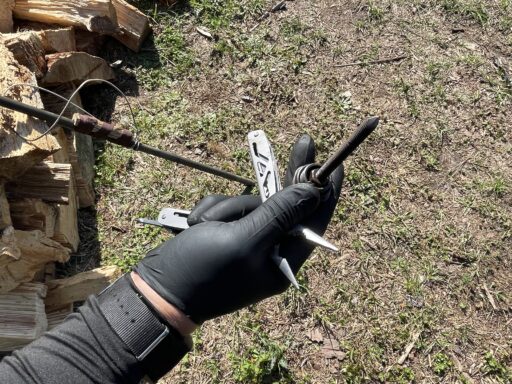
<point x="69" y="102"/>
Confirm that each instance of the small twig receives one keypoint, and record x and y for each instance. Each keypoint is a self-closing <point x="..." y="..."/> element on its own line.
<point x="381" y="61"/>
<point x="409" y="348"/>
<point x="489" y="297"/>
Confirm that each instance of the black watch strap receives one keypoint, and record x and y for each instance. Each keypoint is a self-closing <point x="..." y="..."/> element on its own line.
<point x="157" y="345"/>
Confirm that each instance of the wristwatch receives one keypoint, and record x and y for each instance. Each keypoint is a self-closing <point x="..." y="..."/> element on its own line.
<point x="155" y="343"/>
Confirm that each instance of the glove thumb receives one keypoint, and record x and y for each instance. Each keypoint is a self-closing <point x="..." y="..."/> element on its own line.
<point x="267" y="224"/>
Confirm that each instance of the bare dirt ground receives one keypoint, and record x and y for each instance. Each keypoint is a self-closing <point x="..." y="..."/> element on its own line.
<point x="421" y="290"/>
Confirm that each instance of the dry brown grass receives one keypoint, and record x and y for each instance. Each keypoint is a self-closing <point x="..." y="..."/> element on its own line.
<point x="425" y="218"/>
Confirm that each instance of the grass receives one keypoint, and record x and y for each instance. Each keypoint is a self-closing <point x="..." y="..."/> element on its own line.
<point x="424" y="220"/>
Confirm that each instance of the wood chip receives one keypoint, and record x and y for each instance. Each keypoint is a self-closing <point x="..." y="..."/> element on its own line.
<point x="204" y="32"/>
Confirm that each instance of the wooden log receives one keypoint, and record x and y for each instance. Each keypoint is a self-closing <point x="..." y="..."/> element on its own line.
<point x="33" y="214"/>
<point x="93" y="15"/>
<point x="133" y="24"/>
<point x="6" y="7"/>
<point x="89" y="42"/>
<point x="23" y="253"/>
<point x="80" y="286"/>
<point x="116" y="18"/>
<point x="58" y="40"/>
<point x="66" y="229"/>
<point x="5" y="215"/>
<point x="18" y="155"/>
<point x="28" y="49"/>
<point x="22" y="316"/>
<point x="48" y="181"/>
<point x="75" y="67"/>
<point x="77" y="148"/>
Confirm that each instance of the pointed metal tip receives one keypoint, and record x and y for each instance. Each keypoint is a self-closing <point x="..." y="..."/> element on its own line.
<point x="295" y="283"/>
<point x="332" y="247"/>
<point x="372" y="123"/>
<point x="316" y="239"/>
<point x="284" y="267"/>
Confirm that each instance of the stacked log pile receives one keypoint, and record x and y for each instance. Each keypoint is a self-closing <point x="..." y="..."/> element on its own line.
<point x="46" y="178"/>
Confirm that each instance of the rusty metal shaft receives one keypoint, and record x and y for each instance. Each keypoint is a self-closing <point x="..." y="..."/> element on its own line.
<point x="320" y="176"/>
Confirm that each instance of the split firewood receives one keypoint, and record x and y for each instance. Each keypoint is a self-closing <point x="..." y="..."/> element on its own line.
<point x="23" y="253"/>
<point x="93" y="15"/>
<point x="22" y="316"/>
<point x="77" y="148"/>
<point x="89" y="42"/>
<point x="115" y="18"/>
<point x="27" y="48"/>
<point x="80" y="287"/>
<point x="16" y="153"/>
<point x="6" y="7"/>
<point x="5" y="216"/>
<point x="82" y="159"/>
<point x="66" y="229"/>
<point x="48" y="181"/>
<point x="30" y="47"/>
<point x="52" y="40"/>
<point x="33" y="214"/>
<point x="75" y="67"/>
<point x="52" y="183"/>
<point x="58" y="40"/>
<point x="133" y="24"/>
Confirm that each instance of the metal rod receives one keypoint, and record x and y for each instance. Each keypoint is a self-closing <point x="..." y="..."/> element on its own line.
<point x="193" y="164"/>
<point x="41" y="114"/>
<point x="362" y="132"/>
<point x="99" y="129"/>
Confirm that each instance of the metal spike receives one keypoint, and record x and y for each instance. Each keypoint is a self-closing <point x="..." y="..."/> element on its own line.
<point x="284" y="267"/>
<point x="312" y="237"/>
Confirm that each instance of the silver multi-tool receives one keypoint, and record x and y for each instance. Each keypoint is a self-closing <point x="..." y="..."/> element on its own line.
<point x="267" y="175"/>
<point x="174" y="220"/>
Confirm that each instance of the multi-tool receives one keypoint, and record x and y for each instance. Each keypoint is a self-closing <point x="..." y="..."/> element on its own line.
<point x="267" y="175"/>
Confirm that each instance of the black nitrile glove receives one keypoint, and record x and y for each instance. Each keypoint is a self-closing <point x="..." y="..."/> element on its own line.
<point x="224" y="263"/>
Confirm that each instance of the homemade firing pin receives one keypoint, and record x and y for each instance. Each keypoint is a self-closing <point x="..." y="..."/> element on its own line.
<point x="267" y="175"/>
<point x="319" y="174"/>
<point x="96" y="128"/>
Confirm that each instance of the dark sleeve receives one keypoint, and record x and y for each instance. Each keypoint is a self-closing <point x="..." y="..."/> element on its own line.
<point x="83" y="349"/>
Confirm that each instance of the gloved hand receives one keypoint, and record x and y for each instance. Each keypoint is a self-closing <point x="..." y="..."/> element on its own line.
<point x="223" y="262"/>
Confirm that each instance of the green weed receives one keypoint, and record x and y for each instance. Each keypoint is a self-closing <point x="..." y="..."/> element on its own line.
<point x="493" y="367"/>
<point x="220" y="14"/>
<point x="441" y="364"/>
<point x="474" y="10"/>
<point x="263" y="362"/>
<point x="398" y="375"/>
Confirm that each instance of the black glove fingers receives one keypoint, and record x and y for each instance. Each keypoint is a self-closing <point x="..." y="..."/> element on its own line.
<point x="268" y="223"/>
<point x="337" y="180"/>
<point x="303" y="153"/>
<point x="231" y="209"/>
<point x="204" y="205"/>
<point x="297" y="250"/>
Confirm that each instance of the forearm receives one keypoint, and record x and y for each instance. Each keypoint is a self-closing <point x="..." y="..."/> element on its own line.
<point x="86" y="349"/>
<point x="83" y="349"/>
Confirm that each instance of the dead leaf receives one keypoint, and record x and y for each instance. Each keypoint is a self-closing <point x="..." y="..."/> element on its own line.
<point x="315" y="335"/>
<point x="331" y="350"/>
